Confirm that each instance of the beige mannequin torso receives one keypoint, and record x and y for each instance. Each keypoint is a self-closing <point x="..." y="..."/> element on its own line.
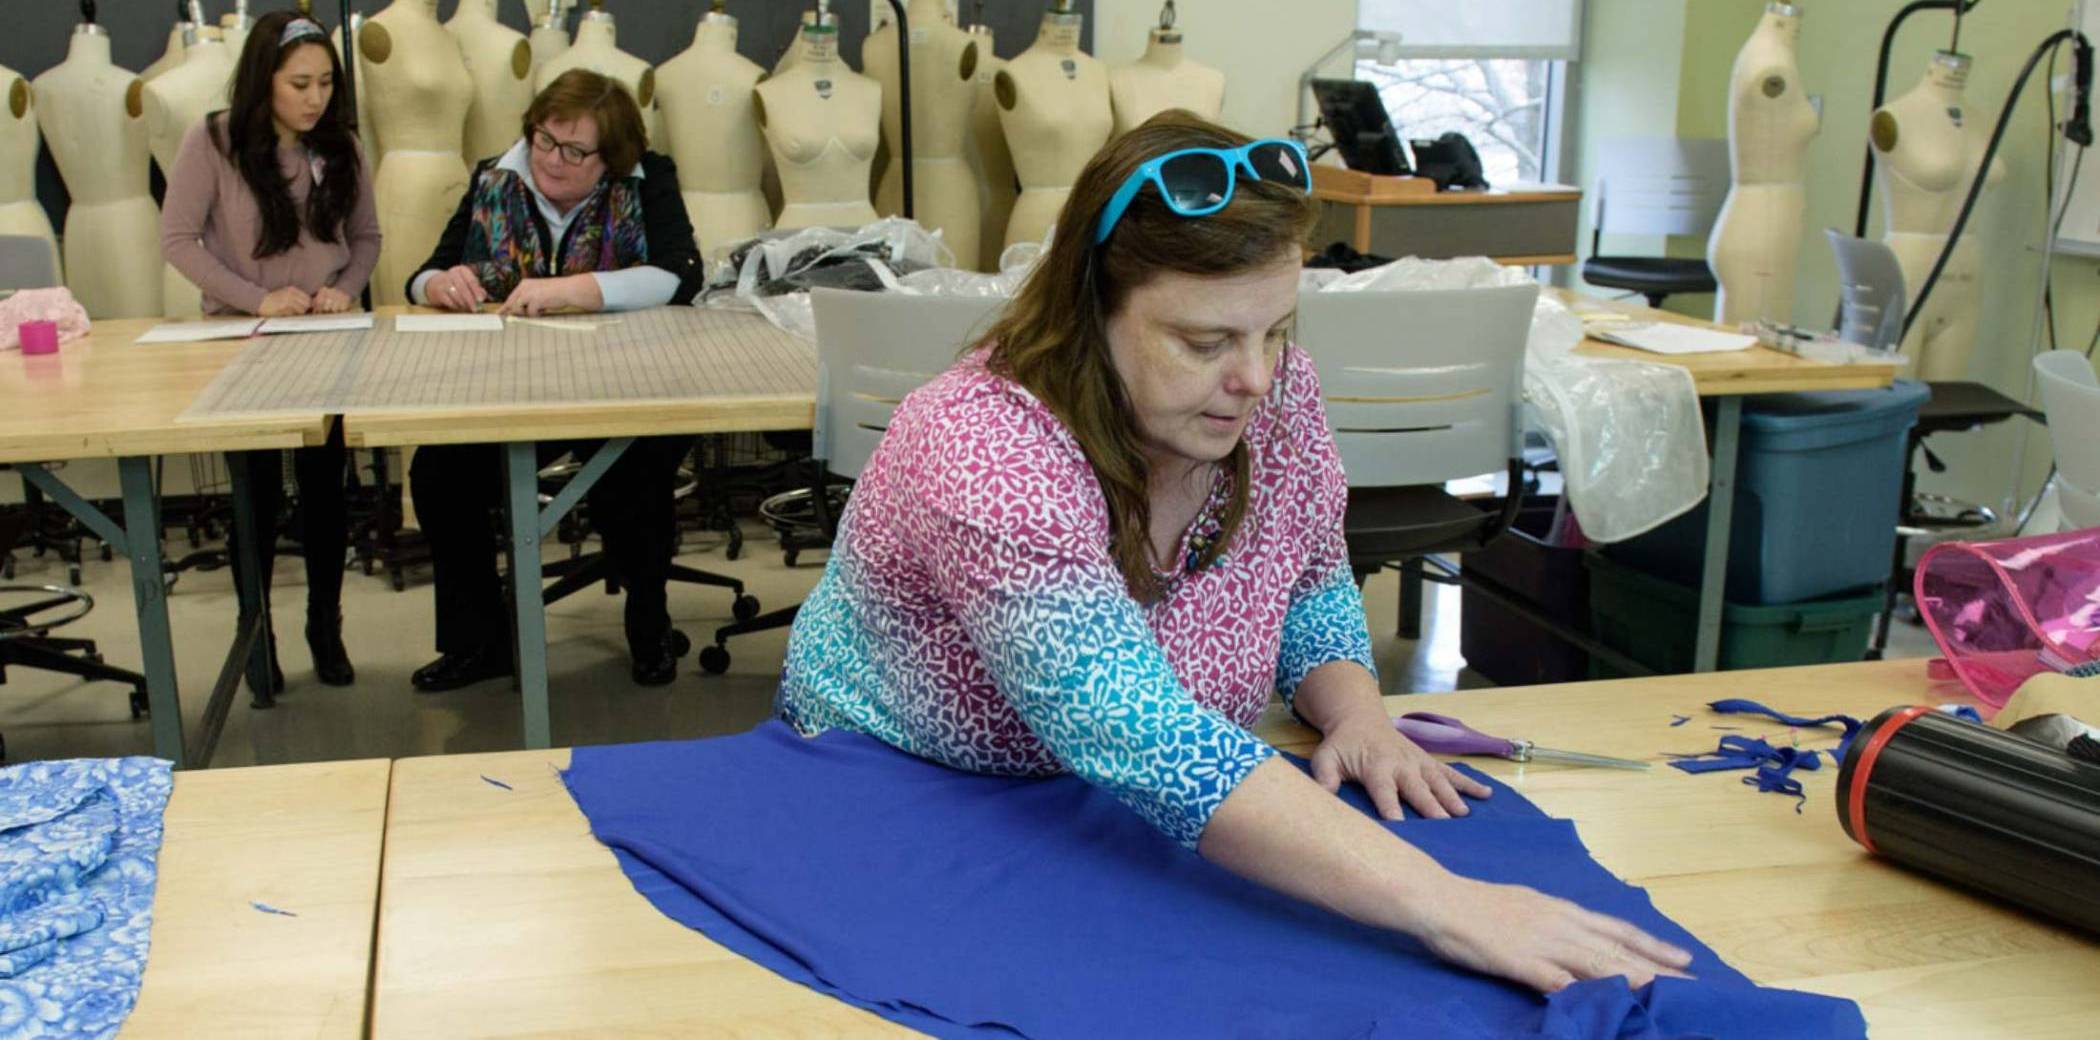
<point x="500" y="62"/>
<point x="989" y="159"/>
<point x="595" y="49"/>
<point x="1161" y="80"/>
<point x="1927" y="154"/>
<point x="92" y="115"/>
<point x="20" y="213"/>
<point x="822" y="125"/>
<point x="171" y="56"/>
<point x="420" y="92"/>
<point x="175" y="102"/>
<point x="548" y="38"/>
<point x="1054" y="109"/>
<point x="943" y="90"/>
<point x="711" y="128"/>
<point x="1757" y="236"/>
<point x="233" y="32"/>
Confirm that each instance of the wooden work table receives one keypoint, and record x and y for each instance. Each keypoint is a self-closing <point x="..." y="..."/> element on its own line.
<point x="305" y="839"/>
<point x="502" y="916"/>
<point x="1758" y="370"/>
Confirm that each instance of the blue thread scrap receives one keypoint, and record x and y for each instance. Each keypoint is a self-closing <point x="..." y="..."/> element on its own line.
<point x="268" y="909"/>
<point x="492" y="781"/>
<point x="1679" y="720"/>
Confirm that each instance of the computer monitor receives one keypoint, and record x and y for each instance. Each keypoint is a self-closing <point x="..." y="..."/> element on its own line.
<point x="1362" y="130"/>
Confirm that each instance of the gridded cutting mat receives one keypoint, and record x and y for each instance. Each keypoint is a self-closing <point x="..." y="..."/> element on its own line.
<point x="665" y="354"/>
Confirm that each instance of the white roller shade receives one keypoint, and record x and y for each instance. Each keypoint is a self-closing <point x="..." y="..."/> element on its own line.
<point x="1550" y="30"/>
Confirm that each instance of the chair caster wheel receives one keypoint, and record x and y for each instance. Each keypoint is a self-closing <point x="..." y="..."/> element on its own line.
<point x="139" y="708"/>
<point x="745" y="608"/>
<point x="681" y="644"/>
<point x="714" y="660"/>
<point x="790" y="556"/>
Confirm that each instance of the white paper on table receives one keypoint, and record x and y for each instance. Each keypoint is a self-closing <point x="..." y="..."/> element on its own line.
<point x="448" y="323"/>
<point x="199" y="331"/>
<point x="316" y="323"/>
<point x="1659" y="337"/>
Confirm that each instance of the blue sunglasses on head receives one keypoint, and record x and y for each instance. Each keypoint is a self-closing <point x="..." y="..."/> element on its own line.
<point x="1197" y="182"/>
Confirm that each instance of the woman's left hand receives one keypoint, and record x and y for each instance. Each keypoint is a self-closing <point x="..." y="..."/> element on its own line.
<point x="1368" y="750"/>
<point x="330" y="300"/>
<point x="537" y="296"/>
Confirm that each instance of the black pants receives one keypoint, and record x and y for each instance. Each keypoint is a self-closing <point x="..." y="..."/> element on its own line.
<point x="324" y="518"/>
<point x="455" y="486"/>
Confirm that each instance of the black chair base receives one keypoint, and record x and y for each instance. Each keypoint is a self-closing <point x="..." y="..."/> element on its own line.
<point x="1398" y="526"/>
<point x="1654" y="277"/>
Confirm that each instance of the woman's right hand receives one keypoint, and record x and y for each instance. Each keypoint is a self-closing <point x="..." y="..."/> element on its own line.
<point x="286" y="301"/>
<point x="1535" y="939"/>
<point x="457" y="289"/>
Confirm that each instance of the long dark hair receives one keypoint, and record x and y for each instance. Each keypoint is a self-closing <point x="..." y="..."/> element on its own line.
<point x="1053" y="337"/>
<point x="247" y="134"/>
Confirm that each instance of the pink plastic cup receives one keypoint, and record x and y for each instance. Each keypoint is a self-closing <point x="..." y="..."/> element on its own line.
<point x="39" y="337"/>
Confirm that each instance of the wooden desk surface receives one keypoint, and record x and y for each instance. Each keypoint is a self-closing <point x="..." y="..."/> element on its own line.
<point x="104" y="395"/>
<point x="1759" y="370"/>
<point x="302" y="838"/>
<point x="502" y="917"/>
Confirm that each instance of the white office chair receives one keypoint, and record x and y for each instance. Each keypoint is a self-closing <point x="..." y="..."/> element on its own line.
<point x="1871" y="295"/>
<point x="27" y="262"/>
<point x="2071" y="398"/>
<point x="872" y="350"/>
<point x="1421" y="387"/>
<point x="1656" y="186"/>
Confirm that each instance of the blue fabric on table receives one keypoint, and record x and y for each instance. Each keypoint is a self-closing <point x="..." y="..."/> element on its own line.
<point x="79" y="840"/>
<point x="965" y="905"/>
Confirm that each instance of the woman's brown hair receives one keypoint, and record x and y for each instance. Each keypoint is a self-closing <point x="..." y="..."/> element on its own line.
<point x="1053" y="338"/>
<point x="581" y="92"/>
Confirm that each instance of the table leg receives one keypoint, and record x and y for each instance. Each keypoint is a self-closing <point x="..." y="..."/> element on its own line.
<point x="521" y="471"/>
<point x="1720" y="514"/>
<point x="149" y="593"/>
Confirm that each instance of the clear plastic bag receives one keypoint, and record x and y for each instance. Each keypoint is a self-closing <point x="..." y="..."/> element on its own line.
<point x="1629" y="436"/>
<point x="772" y="274"/>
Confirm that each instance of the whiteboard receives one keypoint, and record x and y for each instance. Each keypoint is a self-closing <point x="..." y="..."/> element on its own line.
<point x="2081" y="227"/>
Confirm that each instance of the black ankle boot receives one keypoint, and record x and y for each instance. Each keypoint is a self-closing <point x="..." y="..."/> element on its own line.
<point x="331" y="661"/>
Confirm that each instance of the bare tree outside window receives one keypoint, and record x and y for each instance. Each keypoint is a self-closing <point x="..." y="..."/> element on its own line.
<point x="1498" y="103"/>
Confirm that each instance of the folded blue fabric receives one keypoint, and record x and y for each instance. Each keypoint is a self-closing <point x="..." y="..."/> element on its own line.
<point x="965" y="905"/>
<point x="78" y="844"/>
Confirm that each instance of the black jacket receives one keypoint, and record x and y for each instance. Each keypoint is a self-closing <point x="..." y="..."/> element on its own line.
<point x="664" y="226"/>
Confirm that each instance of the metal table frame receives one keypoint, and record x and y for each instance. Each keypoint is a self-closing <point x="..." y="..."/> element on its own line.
<point x="138" y="538"/>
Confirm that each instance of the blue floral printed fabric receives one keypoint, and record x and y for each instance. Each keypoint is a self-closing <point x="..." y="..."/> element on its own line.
<point x="78" y="844"/>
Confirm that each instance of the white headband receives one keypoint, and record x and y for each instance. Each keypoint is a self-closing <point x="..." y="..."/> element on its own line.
<point x="299" y="28"/>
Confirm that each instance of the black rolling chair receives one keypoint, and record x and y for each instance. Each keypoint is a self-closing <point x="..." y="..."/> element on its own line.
<point x="872" y="350"/>
<point x="29" y="613"/>
<point x="1661" y="186"/>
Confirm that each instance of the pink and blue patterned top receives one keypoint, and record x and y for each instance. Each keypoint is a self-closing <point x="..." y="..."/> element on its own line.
<point x="971" y="612"/>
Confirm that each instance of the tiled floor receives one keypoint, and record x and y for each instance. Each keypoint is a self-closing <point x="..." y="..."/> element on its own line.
<point x="388" y="636"/>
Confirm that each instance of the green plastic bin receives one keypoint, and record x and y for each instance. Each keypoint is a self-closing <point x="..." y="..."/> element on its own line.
<point x="1656" y="622"/>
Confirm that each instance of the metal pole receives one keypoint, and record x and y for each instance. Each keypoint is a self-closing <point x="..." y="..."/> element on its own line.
<point x="904" y="99"/>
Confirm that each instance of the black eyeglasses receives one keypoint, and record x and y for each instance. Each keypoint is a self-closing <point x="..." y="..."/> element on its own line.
<point x="570" y="153"/>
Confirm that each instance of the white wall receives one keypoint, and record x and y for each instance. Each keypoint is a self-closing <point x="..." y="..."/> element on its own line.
<point x="1262" y="46"/>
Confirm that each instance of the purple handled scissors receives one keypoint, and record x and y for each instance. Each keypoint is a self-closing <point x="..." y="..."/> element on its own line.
<point x="1444" y="735"/>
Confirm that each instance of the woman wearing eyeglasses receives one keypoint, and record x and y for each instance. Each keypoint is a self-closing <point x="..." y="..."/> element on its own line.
<point x="577" y="215"/>
<point x="1101" y="539"/>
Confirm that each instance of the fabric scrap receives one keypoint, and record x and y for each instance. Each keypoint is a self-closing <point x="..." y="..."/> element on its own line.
<point x="1739" y="706"/>
<point x="966" y="905"/>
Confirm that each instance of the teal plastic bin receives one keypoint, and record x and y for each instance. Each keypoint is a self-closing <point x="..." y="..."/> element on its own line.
<point x="1655" y="622"/>
<point x="1816" y="496"/>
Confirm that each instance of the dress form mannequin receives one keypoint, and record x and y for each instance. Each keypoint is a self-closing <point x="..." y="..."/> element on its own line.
<point x="1164" y="78"/>
<point x="175" y="102"/>
<point x="943" y="91"/>
<point x="420" y="92"/>
<point x="1926" y="158"/>
<point x="234" y="26"/>
<point x="1054" y="108"/>
<point x="172" y="56"/>
<point x="367" y="132"/>
<point x="1757" y="236"/>
<point x="595" y="49"/>
<point x="711" y="129"/>
<point x="500" y="61"/>
<point x="989" y="159"/>
<point x="550" y="34"/>
<point x="822" y="123"/>
<point x="92" y="113"/>
<point x="20" y="213"/>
